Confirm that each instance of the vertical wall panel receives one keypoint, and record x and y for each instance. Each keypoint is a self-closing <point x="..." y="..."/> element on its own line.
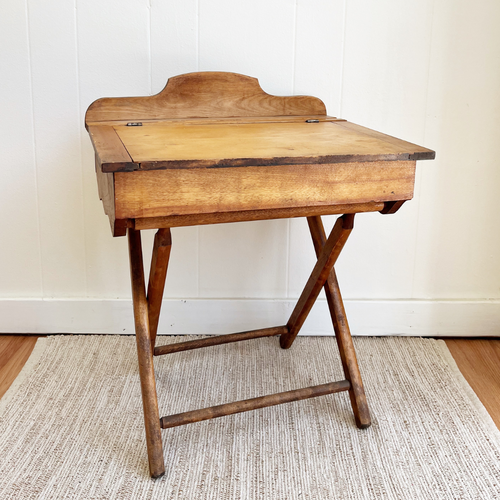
<point x="302" y="257"/>
<point x="384" y="87"/>
<point x="254" y="38"/>
<point x="19" y="249"/>
<point x="243" y="260"/>
<point x="114" y="60"/>
<point x="425" y="71"/>
<point x="319" y="51"/>
<point x="58" y="147"/>
<point x="174" y="40"/>
<point x="459" y="240"/>
<point x="386" y="56"/>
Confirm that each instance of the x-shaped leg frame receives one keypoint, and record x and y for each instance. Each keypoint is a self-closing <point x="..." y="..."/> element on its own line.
<point x="147" y="311"/>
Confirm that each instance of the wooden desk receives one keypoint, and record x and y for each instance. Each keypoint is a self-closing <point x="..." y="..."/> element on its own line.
<point x="212" y="148"/>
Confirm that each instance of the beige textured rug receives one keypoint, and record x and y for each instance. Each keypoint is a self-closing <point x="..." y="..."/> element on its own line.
<point x="71" y="425"/>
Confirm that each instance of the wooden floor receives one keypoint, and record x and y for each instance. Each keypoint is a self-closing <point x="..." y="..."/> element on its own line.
<point x="14" y="352"/>
<point x="478" y="360"/>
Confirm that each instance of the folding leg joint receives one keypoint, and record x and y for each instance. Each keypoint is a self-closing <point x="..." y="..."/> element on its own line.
<point x="327" y="257"/>
<point x="348" y="221"/>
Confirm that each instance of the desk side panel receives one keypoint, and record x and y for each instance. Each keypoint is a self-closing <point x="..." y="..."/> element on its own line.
<point x="105" y="186"/>
<point x="160" y="193"/>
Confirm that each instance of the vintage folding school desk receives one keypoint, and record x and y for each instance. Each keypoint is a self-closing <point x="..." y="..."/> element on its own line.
<point x="214" y="147"/>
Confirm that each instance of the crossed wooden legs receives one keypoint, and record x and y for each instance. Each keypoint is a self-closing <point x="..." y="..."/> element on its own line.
<point x="342" y="332"/>
<point x="147" y="310"/>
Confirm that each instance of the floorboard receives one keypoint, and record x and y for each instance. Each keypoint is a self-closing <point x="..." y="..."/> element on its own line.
<point x="14" y="352"/>
<point x="479" y="362"/>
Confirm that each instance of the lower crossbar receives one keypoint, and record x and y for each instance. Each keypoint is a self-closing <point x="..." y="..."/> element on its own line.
<point x="219" y="339"/>
<point x="190" y="417"/>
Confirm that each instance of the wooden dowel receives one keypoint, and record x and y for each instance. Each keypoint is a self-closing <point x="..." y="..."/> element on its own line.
<point x="219" y="339"/>
<point x="157" y="275"/>
<point x="190" y="417"/>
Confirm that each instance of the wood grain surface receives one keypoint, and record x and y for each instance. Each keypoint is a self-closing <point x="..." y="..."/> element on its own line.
<point x="193" y="416"/>
<point x="110" y="149"/>
<point x="145" y="356"/>
<point x="174" y="145"/>
<point x="222" y="120"/>
<point x="342" y="331"/>
<point x="157" y="275"/>
<point x="420" y="153"/>
<point x="172" y="155"/>
<point x="249" y="215"/>
<point x="204" y="94"/>
<point x="14" y="352"/>
<point x="479" y="362"/>
<point x="198" y="191"/>
<point x="226" y="119"/>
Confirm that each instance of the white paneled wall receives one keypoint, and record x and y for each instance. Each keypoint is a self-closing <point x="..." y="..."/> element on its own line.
<point x="426" y="71"/>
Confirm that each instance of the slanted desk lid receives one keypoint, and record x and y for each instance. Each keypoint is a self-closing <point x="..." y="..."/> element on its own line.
<point x="217" y="119"/>
<point x="164" y="144"/>
<point x="167" y="145"/>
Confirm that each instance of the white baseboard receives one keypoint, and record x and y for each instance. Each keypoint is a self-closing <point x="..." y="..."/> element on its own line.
<point x="213" y="316"/>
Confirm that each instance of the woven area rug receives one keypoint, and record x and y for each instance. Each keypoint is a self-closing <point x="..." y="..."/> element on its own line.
<point x="71" y="425"/>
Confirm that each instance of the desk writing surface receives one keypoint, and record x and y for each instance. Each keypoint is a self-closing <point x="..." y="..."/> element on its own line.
<point x="173" y="144"/>
<point x="159" y="141"/>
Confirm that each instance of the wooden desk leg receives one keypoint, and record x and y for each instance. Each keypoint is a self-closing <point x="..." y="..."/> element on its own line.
<point x="326" y="260"/>
<point x="145" y="355"/>
<point x="342" y="333"/>
<point x="157" y="275"/>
